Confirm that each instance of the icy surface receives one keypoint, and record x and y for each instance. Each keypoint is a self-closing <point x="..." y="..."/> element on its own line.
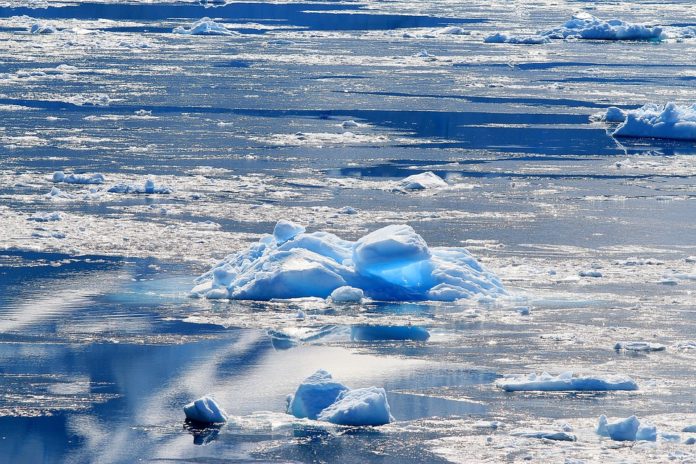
<point x="347" y="294"/>
<point x="205" y="410"/>
<point x="670" y="121"/>
<point x="359" y="407"/>
<point x="392" y="263"/>
<point x="502" y="37"/>
<point x="423" y="181"/>
<point x="566" y="382"/>
<point x="204" y="26"/>
<point x="586" y="26"/>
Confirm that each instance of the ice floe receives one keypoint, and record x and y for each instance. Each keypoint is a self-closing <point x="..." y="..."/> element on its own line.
<point x="46" y="217"/>
<point x="639" y="346"/>
<point x="204" y="26"/>
<point x="61" y="177"/>
<point x="391" y="263"/>
<point x="585" y="26"/>
<point x="545" y="434"/>
<point x="629" y="429"/>
<point x="359" y="407"/>
<point x="565" y="381"/>
<point x="612" y="114"/>
<point x="670" y="121"/>
<point x="501" y="37"/>
<point x="206" y="411"/>
<point x="422" y="181"/>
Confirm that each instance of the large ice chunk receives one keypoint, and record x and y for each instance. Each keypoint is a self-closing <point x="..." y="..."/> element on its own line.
<point x="670" y="121"/>
<point x="422" y="181"/>
<point x="566" y="382"/>
<point x="359" y="407"/>
<point x="316" y="393"/>
<point x="60" y="176"/>
<point x="586" y="26"/>
<point x="347" y="294"/>
<point x="205" y="410"/>
<point x="392" y="263"/>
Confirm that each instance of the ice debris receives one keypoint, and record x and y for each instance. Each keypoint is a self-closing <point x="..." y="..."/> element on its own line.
<point x="205" y="410"/>
<point x="544" y="434"/>
<point x="316" y="393"/>
<point x="46" y="217"/>
<point x="586" y="26"/>
<point x="42" y="28"/>
<point x="566" y="382"/>
<point x="359" y="407"/>
<point x="347" y="294"/>
<point x="204" y="26"/>
<point x="670" y="121"/>
<point x="422" y="181"/>
<point x="612" y="114"/>
<point x="61" y="177"/>
<point x="148" y="188"/>
<point x="349" y="124"/>
<point x="392" y="264"/>
<point x="639" y="346"/>
<point x="501" y="37"/>
<point x="629" y="429"/>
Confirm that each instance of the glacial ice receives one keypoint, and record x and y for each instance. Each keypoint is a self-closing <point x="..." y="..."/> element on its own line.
<point x="670" y="121"/>
<point x="502" y="37"/>
<point x="286" y="230"/>
<point x="629" y="429"/>
<point x="369" y="333"/>
<point x="347" y="294"/>
<point x="61" y="177"/>
<point x="204" y="26"/>
<point x="359" y="407"/>
<point x="586" y="26"/>
<point x="566" y="382"/>
<point x="148" y="188"/>
<point x="316" y="393"/>
<point x="423" y="181"/>
<point x="392" y="263"/>
<point x="205" y="410"/>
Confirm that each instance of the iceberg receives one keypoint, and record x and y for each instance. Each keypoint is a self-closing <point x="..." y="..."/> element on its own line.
<point x="347" y="294"/>
<point x="586" y="26"/>
<point x="204" y="26"/>
<point x="501" y="37"/>
<point x="393" y="263"/>
<point x="316" y="393"/>
<point x="359" y="407"/>
<point x="670" y="121"/>
<point x="205" y="410"/>
<point x="61" y="177"/>
<point x="629" y="429"/>
<point x="423" y="181"/>
<point x="369" y="333"/>
<point x="566" y="382"/>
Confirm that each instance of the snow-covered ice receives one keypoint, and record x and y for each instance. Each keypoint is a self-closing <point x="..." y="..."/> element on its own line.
<point x="566" y="381"/>
<point x="316" y="393"/>
<point x="206" y="411"/>
<point x="670" y="121"/>
<point x="42" y="28"/>
<point x="46" y="217"/>
<point x="391" y="263"/>
<point x="423" y="181"/>
<point x="585" y="26"/>
<point x="347" y="294"/>
<point x="204" y="26"/>
<point x="359" y="407"/>
<point x="629" y="429"/>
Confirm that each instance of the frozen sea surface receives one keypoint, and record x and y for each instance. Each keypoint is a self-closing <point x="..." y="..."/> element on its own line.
<point x="220" y="136"/>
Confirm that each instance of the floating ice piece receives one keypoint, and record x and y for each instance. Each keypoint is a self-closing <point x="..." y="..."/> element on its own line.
<point x="586" y="26"/>
<point x="316" y="393"/>
<point x="452" y="30"/>
<point x="423" y="181"/>
<point x="42" y="28"/>
<point x="501" y="37"/>
<point x="544" y="434"/>
<point x="205" y="410"/>
<point x="612" y="114"/>
<point x="46" y="217"/>
<point x="359" y="407"/>
<point x="60" y="176"/>
<point x="639" y="346"/>
<point x="349" y="124"/>
<point x="629" y="429"/>
<point x="646" y="433"/>
<point x="590" y="273"/>
<point x="148" y="188"/>
<point x="670" y="121"/>
<point x="689" y="429"/>
<point x="425" y="55"/>
<point x="347" y="294"/>
<point x="204" y="26"/>
<point x="286" y="230"/>
<point x="393" y="263"/>
<point x="566" y="382"/>
<point x="280" y="43"/>
<point x="58" y="193"/>
<point x="369" y="333"/>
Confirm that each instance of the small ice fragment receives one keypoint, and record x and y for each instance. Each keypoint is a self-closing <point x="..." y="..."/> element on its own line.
<point x="423" y="181"/>
<point x="689" y="429"/>
<point x="41" y="28"/>
<point x="205" y="410"/>
<point x="347" y="210"/>
<point x="639" y="346"/>
<point x="359" y="407"/>
<point x="690" y="441"/>
<point x="349" y="124"/>
<point x="315" y="393"/>
<point x="204" y="26"/>
<point x="590" y="273"/>
<point x="646" y="433"/>
<point x="60" y="176"/>
<point x="46" y="217"/>
<point x="286" y="230"/>
<point x="347" y="294"/>
<point x="522" y="310"/>
<point x="501" y="37"/>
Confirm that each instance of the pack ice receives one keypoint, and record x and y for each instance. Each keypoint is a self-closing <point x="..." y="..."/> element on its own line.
<point x="391" y="264"/>
<point x="586" y="26"/>
<point x="320" y="397"/>
<point x="566" y="382"/>
<point x="670" y="121"/>
<point x="61" y="177"/>
<point x="206" y="411"/>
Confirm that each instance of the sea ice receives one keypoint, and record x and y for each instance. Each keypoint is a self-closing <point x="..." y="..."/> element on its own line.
<point x="316" y="393"/>
<point x="670" y="121"/>
<point x="205" y="410"/>
<point x="566" y="382"/>
<point x="349" y="124"/>
<point x="347" y="294"/>
<point x="359" y="407"/>
<point x="639" y="346"/>
<point x="60" y="176"/>
<point x="423" y="181"/>
<point x="452" y="30"/>
<point x="42" y="28"/>
<point x="392" y="263"/>
<point x="586" y="26"/>
<point x="369" y="333"/>
<point x="544" y="434"/>
<point x="46" y="217"/>
<point x="501" y="37"/>
<point x="629" y="429"/>
<point x="204" y="26"/>
<point x="612" y="114"/>
<point x="148" y="188"/>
